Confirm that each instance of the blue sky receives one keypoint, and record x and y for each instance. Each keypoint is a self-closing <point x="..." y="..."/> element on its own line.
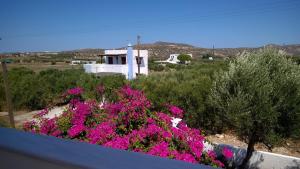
<point x="55" y="25"/>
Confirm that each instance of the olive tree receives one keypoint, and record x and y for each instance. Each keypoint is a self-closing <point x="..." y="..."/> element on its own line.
<point x="183" y="58"/>
<point x="259" y="96"/>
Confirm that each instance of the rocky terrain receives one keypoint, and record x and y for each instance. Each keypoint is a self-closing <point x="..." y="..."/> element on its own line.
<point x="162" y="50"/>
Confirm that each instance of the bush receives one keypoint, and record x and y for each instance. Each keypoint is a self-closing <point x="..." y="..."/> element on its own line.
<point x="34" y="91"/>
<point x="156" y="67"/>
<point x="259" y="97"/>
<point x="128" y="124"/>
<point x="4" y="122"/>
<point x="187" y="87"/>
<point x="183" y="58"/>
<point x="207" y="56"/>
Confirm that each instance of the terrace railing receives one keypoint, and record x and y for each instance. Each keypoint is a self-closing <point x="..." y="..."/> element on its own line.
<point x="24" y="150"/>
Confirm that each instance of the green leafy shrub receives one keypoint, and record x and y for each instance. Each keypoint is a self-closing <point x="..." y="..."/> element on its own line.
<point x="34" y="91"/>
<point x="259" y="97"/>
<point x="187" y="87"/>
<point x="207" y="56"/>
<point x="155" y="66"/>
<point x="4" y="122"/>
<point x="183" y="58"/>
<point x="128" y="124"/>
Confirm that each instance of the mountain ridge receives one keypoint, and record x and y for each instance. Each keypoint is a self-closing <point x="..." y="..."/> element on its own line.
<point x="162" y="49"/>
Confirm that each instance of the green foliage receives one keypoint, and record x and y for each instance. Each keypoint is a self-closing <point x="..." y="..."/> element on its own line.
<point x="34" y="91"/>
<point x="259" y="96"/>
<point x="188" y="87"/>
<point x="155" y="66"/>
<point x="111" y="84"/>
<point x="183" y="58"/>
<point x="206" y="56"/>
<point x="296" y="59"/>
<point x="64" y="121"/>
<point x="177" y="66"/>
<point x="22" y="81"/>
<point x="4" y="122"/>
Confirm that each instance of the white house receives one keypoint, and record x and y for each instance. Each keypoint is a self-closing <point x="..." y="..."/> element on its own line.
<point x="121" y="61"/>
<point x="77" y="62"/>
<point x="172" y="59"/>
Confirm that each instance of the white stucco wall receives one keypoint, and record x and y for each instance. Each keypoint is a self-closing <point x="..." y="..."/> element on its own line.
<point x="172" y="59"/>
<point x="118" y="67"/>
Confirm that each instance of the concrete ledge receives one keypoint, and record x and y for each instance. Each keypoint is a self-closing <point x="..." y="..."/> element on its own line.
<point x="25" y="150"/>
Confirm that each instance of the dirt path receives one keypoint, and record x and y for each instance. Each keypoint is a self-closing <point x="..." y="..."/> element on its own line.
<point x="22" y="117"/>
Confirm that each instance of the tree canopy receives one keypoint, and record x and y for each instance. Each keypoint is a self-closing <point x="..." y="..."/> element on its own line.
<point x="259" y="95"/>
<point x="183" y="58"/>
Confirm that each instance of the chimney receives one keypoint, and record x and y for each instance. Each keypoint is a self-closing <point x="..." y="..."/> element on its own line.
<point x="130" y="61"/>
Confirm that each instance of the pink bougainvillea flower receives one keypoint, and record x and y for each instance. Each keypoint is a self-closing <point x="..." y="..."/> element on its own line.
<point x="119" y="143"/>
<point x="186" y="157"/>
<point x="75" y="130"/>
<point x="128" y="124"/>
<point x="196" y="148"/>
<point x="30" y="126"/>
<point x="176" y="111"/>
<point x="227" y="153"/>
<point x="212" y="154"/>
<point x="41" y="113"/>
<point x="48" y="126"/>
<point x="75" y="91"/>
<point x="161" y="149"/>
<point x="103" y="133"/>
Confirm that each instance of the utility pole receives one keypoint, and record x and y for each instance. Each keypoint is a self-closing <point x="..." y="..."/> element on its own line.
<point x="213" y="50"/>
<point x="139" y="58"/>
<point x="7" y="93"/>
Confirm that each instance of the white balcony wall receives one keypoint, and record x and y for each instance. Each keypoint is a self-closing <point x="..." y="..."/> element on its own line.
<point x="98" y="68"/>
<point x="118" y="67"/>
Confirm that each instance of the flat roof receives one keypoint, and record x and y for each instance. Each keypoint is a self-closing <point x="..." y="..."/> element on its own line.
<point x="112" y="54"/>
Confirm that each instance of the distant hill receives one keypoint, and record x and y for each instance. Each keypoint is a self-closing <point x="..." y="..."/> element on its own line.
<point x="162" y="50"/>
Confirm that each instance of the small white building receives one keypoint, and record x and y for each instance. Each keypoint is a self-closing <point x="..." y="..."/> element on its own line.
<point x="172" y="59"/>
<point x="121" y="61"/>
<point x="78" y="62"/>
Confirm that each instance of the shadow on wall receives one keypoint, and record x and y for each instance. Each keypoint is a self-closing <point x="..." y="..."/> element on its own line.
<point x="255" y="165"/>
<point x="296" y="165"/>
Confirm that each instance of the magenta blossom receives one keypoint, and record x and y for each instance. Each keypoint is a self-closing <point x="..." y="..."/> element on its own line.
<point x="41" y="113"/>
<point x="118" y="143"/>
<point x="176" y="111"/>
<point x="161" y="149"/>
<point x="75" y="91"/>
<point x="212" y="154"/>
<point x="48" y="126"/>
<point x="76" y="130"/>
<point x="186" y="157"/>
<point x="103" y="133"/>
<point x="227" y="153"/>
<point x="128" y="123"/>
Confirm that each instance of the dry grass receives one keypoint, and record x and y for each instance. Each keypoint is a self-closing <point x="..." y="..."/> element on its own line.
<point x="37" y="67"/>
